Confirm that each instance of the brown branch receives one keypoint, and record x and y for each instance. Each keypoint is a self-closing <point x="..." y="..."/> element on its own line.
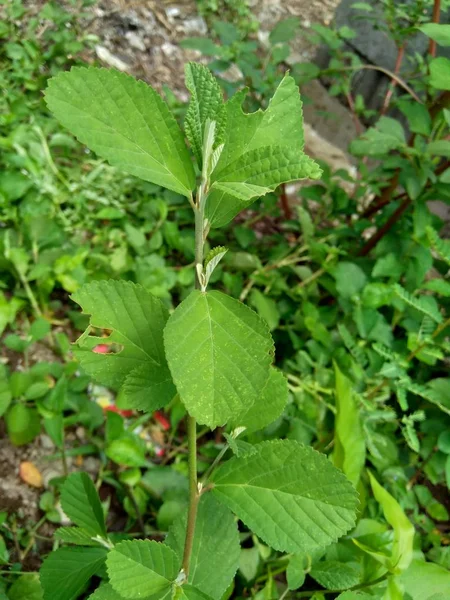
<point x="391" y="87"/>
<point x="435" y="19"/>
<point x="373" y="241"/>
<point x="383" y="199"/>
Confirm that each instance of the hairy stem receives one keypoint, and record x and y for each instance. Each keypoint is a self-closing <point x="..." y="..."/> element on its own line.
<point x="194" y="494"/>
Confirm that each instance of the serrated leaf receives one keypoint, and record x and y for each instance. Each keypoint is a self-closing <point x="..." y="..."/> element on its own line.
<point x="216" y="548"/>
<point x="349" y="443"/>
<point x="142" y="568"/>
<point x="219" y="352"/>
<point x="76" y="536"/>
<point x="288" y="494"/>
<point x="281" y="125"/>
<point x="27" y="587"/>
<point x="402" y="547"/>
<point x="268" y="407"/>
<point x="253" y="175"/>
<point x="80" y="502"/>
<point x="188" y="592"/>
<point x="136" y="319"/>
<point x="206" y="103"/>
<point x="124" y="121"/>
<point x="106" y="592"/>
<point x="65" y="573"/>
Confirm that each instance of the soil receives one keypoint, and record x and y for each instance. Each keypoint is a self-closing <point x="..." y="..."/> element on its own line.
<point x="142" y="37"/>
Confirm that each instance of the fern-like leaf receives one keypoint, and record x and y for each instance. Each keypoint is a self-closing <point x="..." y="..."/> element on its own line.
<point x="424" y="304"/>
<point x="442" y="247"/>
<point x="352" y="346"/>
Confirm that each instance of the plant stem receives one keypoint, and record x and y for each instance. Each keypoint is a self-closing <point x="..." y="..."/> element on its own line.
<point x="194" y="494"/>
<point x="391" y="87"/>
<point x="435" y="19"/>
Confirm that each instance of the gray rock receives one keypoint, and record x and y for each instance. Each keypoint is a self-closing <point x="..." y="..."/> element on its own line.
<point x="113" y="61"/>
<point x="135" y="41"/>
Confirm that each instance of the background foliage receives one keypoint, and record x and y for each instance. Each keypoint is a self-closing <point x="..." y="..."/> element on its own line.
<point x="352" y="281"/>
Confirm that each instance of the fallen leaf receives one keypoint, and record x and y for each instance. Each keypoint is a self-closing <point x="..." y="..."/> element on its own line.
<point x="30" y="474"/>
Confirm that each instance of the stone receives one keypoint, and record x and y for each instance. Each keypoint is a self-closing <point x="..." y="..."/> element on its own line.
<point x="110" y="59"/>
<point x="194" y="26"/>
<point x="135" y="41"/>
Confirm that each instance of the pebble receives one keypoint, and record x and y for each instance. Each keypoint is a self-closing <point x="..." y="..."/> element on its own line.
<point x="113" y="61"/>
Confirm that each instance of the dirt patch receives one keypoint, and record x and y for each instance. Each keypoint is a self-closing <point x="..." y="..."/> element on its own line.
<point x="143" y="38"/>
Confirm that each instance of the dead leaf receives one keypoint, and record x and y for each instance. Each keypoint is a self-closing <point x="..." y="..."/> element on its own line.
<point x="30" y="474"/>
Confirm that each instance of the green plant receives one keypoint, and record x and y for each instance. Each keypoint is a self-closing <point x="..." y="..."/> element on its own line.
<point x="213" y="351"/>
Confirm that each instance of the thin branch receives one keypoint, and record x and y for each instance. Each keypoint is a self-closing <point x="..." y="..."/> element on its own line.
<point x="390" y="90"/>
<point x="435" y="19"/>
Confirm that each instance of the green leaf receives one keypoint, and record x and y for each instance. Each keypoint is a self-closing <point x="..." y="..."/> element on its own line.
<point x="419" y="120"/>
<point x="440" y="73"/>
<point x="387" y="135"/>
<point x="268" y="407"/>
<point x="5" y="391"/>
<point x="80" y="502"/>
<point x="284" y="30"/>
<point x="288" y="494"/>
<point x="27" y="587"/>
<point x="206" y="103"/>
<point x="296" y="571"/>
<point x="137" y="320"/>
<point x="124" y="121"/>
<point x="76" y="536"/>
<point x="252" y="175"/>
<point x="402" y="547"/>
<point x="350" y="279"/>
<point x="22" y="424"/>
<point x="142" y="568"/>
<point x="425" y="580"/>
<point x="424" y="304"/>
<point x="266" y="308"/>
<point x="335" y="575"/>
<point x="442" y="247"/>
<point x="219" y="352"/>
<point x="65" y="573"/>
<point x="438" y="32"/>
<point x="216" y="548"/>
<point x="129" y="450"/>
<point x="349" y="443"/>
<point x="439" y="147"/>
<point x="440" y="286"/>
<point x="354" y="596"/>
<point x="188" y="592"/>
<point x="280" y="125"/>
<point x="106" y="592"/>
